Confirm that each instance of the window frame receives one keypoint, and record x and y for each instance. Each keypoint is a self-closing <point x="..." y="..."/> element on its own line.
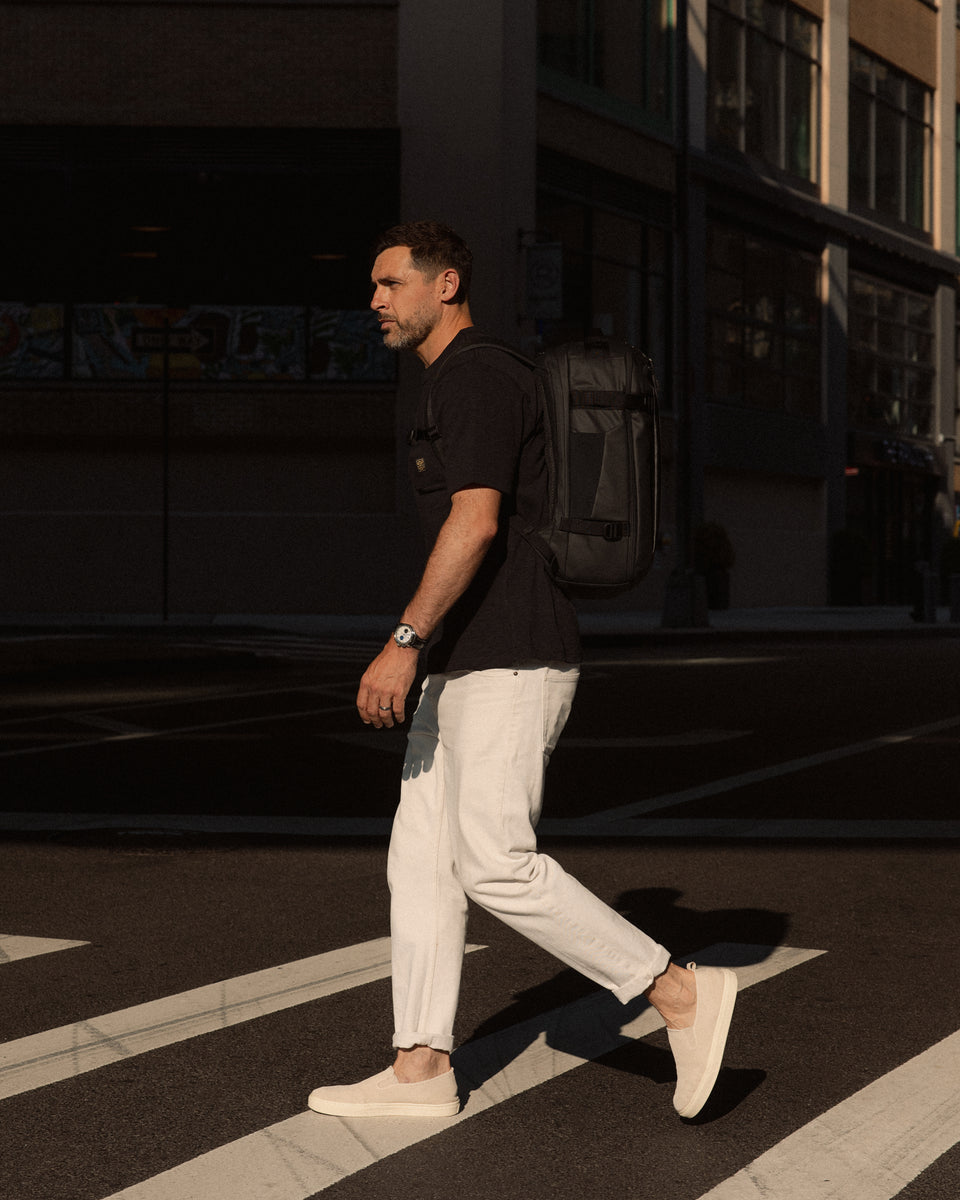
<point x="582" y="90"/>
<point x="743" y="323"/>
<point x="878" y="104"/>
<point x="882" y="359"/>
<point x="735" y="10"/>
<point x="594" y="193"/>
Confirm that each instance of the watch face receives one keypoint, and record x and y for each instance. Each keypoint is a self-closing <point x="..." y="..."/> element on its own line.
<point x="404" y="635"/>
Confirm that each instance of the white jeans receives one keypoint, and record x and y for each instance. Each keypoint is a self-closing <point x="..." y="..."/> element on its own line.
<point x="472" y="789"/>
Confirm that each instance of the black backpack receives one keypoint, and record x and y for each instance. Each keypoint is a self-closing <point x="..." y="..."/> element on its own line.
<point x="601" y="416"/>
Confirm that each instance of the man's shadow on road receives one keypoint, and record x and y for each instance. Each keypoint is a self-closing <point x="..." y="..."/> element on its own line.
<point x="572" y="1018"/>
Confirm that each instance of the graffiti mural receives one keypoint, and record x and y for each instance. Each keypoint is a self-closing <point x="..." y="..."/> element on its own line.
<point x="348" y="345"/>
<point x="204" y="342"/>
<point x="31" y="341"/>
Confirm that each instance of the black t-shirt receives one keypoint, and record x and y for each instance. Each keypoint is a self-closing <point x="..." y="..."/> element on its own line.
<point x="484" y="406"/>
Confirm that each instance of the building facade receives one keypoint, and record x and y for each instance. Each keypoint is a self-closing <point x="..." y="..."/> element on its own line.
<point x="196" y="416"/>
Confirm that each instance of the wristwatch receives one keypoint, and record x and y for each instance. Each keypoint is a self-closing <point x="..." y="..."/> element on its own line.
<point x="406" y="635"/>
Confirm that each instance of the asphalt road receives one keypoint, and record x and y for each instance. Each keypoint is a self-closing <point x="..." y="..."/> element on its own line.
<point x="201" y="818"/>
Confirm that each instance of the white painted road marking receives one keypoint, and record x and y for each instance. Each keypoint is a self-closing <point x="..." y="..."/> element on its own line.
<point x="13" y="947"/>
<point x="140" y="734"/>
<point x="868" y="1147"/>
<point x="757" y="828"/>
<point x="56" y="1054"/>
<point x="717" y="786"/>
<point x="307" y="1153"/>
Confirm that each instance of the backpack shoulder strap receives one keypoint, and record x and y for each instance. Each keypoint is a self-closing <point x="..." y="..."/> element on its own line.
<point x="430" y="432"/>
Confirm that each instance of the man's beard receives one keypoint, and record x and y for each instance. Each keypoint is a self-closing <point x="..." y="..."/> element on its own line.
<point x="411" y="333"/>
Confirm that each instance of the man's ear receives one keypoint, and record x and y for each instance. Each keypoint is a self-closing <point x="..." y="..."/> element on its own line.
<point x="449" y="284"/>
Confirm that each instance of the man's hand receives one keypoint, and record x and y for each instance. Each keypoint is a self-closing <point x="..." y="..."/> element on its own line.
<point x="461" y="545"/>
<point x="384" y="686"/>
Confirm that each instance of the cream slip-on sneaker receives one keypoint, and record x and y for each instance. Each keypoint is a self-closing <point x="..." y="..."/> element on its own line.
<point x="384" y="1095"/>
<point x="698" y="1049"/>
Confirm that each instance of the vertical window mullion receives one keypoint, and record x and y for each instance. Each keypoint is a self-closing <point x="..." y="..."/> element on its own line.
<point x="902" y="130"/>
<point x="782" y="89"/>
<point x="743" y="85"/>
<point x="873" y="137"/>
<point x="590" y="17"/>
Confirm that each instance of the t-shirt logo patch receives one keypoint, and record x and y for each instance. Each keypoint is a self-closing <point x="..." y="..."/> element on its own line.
<point x="421" y="465"/>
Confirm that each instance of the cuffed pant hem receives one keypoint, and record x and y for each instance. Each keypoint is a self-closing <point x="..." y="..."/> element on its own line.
<point x="406" y="1041"/>
<point x="639" y="983"/>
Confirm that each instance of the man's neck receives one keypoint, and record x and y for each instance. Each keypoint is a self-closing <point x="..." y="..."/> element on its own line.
<point x="451" y="323"/>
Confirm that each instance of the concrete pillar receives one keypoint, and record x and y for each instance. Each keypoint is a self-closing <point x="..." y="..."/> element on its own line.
<point x="945" y="239"/>
<point x="696" y="68"/>
<point x="685" y="598"/>
<point x="835" y="92"/>
<point x="834" y="379"/>
<point x="467" y="108"/>
<point x="945" y="131"/>
<point x="834" y="189"/>
<point x="467" y="111"/>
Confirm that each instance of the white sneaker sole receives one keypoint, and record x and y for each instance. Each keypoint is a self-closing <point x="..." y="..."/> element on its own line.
<point x="334" y="1108"/>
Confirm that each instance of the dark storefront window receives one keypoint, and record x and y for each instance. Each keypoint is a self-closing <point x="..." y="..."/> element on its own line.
<point x="252" y="244"/>
<point x="893" y="473"/>
<point x="610" y="50"/>
<point x="764" y="84"/>
<point x="615" y="276"/>
<point x="891" y="141"/>
<point x="891" y="359"/>
<point x="888" y="536"/>
<point x="763" y="323"/>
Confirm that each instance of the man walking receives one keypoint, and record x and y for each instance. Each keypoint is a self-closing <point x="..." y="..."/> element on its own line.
<point x="502" y="673"/>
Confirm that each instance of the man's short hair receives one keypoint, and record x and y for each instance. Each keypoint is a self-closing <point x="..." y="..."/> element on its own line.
<point x="433" y="248"/>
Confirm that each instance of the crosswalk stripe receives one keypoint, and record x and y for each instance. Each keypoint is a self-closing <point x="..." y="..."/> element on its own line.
<point x="305" y="1154"/>
<point x="13" y="947"/>
<point x="43" y="1058"/>
<point x="868" y="1147"/>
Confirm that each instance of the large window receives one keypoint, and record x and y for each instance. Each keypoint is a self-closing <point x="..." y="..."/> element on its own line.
<point x="763" y="318"/>
<point x="891" y="359"/>
<point x="174" y="216"/>
<point x="252" y="245"/>
<point x="615" y="272"/>
<point x="610" y="50"/>
<point x="764" y="84"/>
<point x="891" y="139"/>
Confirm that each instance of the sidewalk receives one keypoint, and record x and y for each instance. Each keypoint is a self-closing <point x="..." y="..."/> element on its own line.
<point x="87" y="643"/>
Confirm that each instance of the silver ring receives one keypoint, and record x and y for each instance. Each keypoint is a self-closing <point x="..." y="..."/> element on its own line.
<point x="384" y="707"/>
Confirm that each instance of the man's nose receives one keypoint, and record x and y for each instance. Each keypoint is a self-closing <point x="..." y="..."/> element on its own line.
<point x="377" y="301"/>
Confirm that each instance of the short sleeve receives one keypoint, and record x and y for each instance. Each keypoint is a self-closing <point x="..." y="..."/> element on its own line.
<point x="480" y="418"/>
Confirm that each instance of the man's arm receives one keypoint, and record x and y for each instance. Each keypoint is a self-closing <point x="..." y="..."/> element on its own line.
<point x="459" y="550"/>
